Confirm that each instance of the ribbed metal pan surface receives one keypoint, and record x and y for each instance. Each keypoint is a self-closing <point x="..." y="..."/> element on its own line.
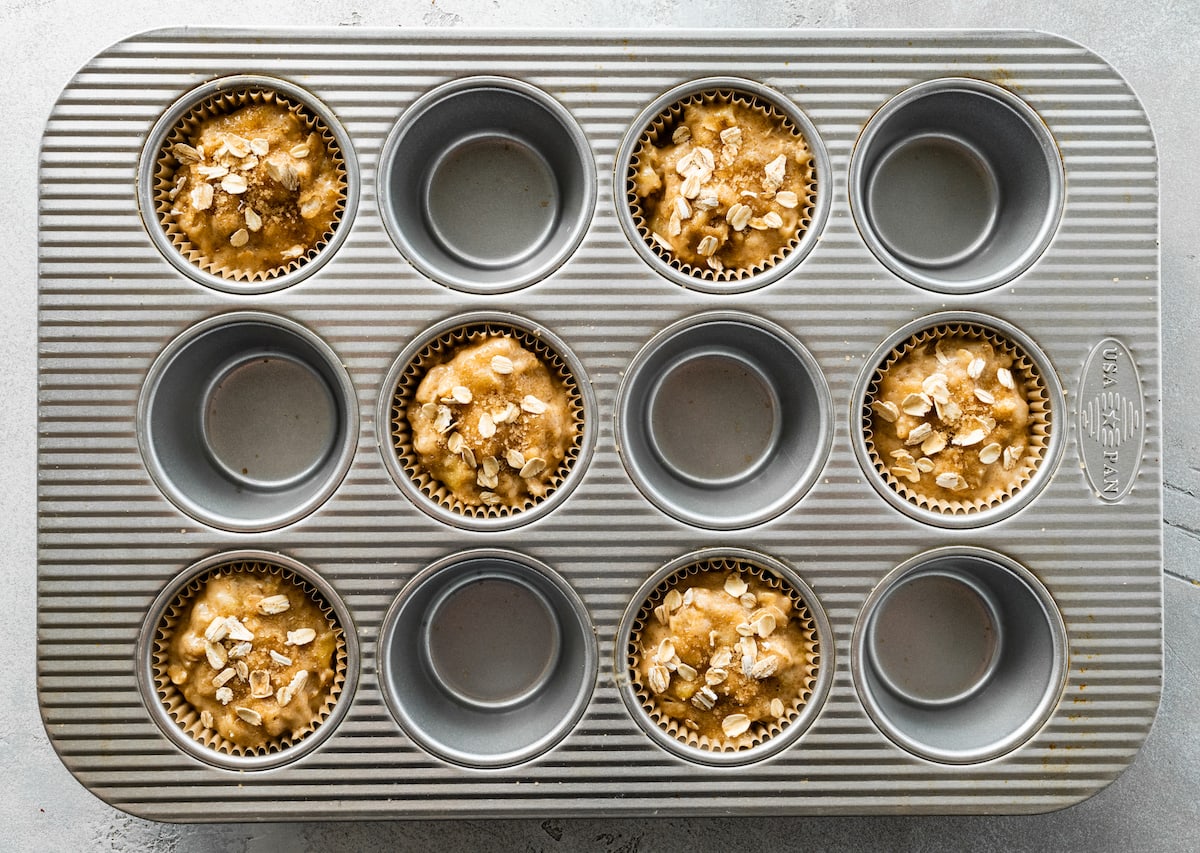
<point x="109" y="541"/>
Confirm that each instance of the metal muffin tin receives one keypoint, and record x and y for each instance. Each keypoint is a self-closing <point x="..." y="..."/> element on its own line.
<point x="1058" y="620"/>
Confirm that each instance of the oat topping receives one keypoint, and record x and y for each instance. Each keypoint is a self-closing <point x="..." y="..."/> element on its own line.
<point x="260" y="684"/>
<point x="250" y="716"/>
<point x="238" y="631"/>
<point x="273" y="604"/>
<point x="735" y="725"/>
<point x="736" y="586"/>
<point x="301" y="636"/>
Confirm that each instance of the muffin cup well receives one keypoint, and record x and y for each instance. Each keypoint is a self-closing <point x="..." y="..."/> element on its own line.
<point x="960" y="655"/>
<point x="157" y="180"/>
<point x="957" y="185"/>
<point x="487" y="658"/>
<point x="659" y="118"/>
<point x="486" y="184"/>
<point x="172" y="712"/>
<point x="1031" y="471"/>
<point x="247" y="421"/>
<point x="761" y="739"/>
<point x="723" y="420"/>
<point x="438" y="345"/>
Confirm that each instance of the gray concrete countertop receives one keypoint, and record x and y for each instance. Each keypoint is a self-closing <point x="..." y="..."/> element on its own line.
<point x="1154" y="805"/>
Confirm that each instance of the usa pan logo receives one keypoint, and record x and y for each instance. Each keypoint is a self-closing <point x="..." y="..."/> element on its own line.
<point x="1112" y="420"/>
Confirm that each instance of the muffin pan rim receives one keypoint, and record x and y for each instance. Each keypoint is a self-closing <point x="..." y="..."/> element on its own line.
<point x="907" y="269"/>
<point x="421" y="108"/>
<point x="1042" y="711"/>
<point x="820" y="451"/>
<point x="345" y="451"/>
<point x="314" y="553"/>
<point x="428" y="576"/>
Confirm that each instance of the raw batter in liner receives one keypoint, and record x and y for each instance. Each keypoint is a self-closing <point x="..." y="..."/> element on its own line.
<point x="492" y="424"/>
<point x="255" y="656"/>
<point x="726" y="188"/>
<point x="951" y="420"/>
<point x="255" y="189"/>
<point x="724" y="652"/>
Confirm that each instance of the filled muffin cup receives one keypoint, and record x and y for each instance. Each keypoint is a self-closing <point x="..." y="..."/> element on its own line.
<point x="745" y="687"/>
<point x="247" y="660"/>
<point x="957" y="185"/>
<point x="724" y="185"/>
<point x="248" y="184"/>
<point x="959" y="421"/>
<point x="487" y="421"/>
<point x="960" y="655"/>
<point x="486" y="184"/>
<point x="487" y="658"/>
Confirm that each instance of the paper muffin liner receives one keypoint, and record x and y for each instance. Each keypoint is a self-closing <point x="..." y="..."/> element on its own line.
<point x="185" y="715"/>
<point x="759" y="731"/>
<point x="657" y="131"/>
<point x="441" y="349"/>
<point x="1036" y="395"/>
<point x="166" y="168"/>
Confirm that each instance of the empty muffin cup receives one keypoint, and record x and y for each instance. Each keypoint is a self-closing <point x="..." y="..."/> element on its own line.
<point x="490" y="421"/>
<point x="247" y="660"/>
<point x="487" y="658"/>
<point x="724" y="657"/>
<point x="486" y="184"/>
<point x="956" y="185"/>
<point x="723" y="420"/>
<point x="959" y="655"/>
<point x="247" y="421"/>
<point x="248" y="184"/>
<point x="723" y="185"/>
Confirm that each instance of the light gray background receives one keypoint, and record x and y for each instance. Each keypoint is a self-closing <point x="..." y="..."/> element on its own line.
<point x="1155" y="805"/>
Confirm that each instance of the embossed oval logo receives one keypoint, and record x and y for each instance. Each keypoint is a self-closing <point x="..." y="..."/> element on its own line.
<point x="1112" y="419"/>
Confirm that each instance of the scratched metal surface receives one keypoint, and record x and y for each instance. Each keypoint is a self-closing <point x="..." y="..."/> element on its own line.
<point x="108" y="541"/>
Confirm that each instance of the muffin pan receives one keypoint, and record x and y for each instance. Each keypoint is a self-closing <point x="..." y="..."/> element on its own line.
<point x="1011" y="663"/>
